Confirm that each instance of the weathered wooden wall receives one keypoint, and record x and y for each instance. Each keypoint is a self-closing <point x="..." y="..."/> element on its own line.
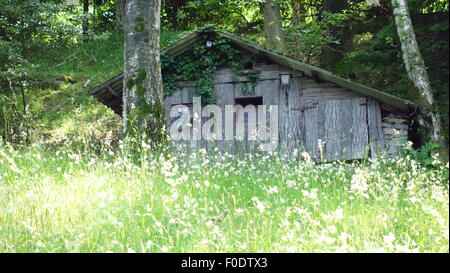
<point x="328" y="122"/>
<point x="395" y="130"/>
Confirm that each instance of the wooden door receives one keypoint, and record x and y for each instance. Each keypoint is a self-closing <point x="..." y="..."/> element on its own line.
<point x="337" y="129"/>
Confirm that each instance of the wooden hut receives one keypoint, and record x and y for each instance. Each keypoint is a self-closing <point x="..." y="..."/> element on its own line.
<point x="327" y="116"/>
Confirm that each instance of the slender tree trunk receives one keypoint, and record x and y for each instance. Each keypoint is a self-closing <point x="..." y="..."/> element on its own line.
<point x="332" y="53"/>
<point x="120" y="14"/>
<point x="298" y="11"/>
<point x="298" y="17"/>
<point x="25" y="116"/>
<point x="85" y="20"/>
<point x="273" y="25"/>
<point x="143" y="107"/>
<point x="417" y="73"/>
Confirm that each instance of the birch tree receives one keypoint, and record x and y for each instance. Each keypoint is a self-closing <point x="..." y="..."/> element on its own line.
<point x="416" y="70"/>
<point x="143" y="107"/>
<point x="273" y="25"/>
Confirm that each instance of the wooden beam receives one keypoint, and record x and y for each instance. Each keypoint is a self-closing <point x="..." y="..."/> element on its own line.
<point x="113" y="92"/>
<point x="389" y="108"/>
<point x="315" y="76"/>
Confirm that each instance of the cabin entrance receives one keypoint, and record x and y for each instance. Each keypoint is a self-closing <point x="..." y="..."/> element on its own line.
<point x="337" y="129"/>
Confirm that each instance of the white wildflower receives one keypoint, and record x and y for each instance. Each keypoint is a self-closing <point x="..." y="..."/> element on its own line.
<point x="359" y="183"/>
<point x="389" y="239"/>
<point x="272" y="190"/>
<point x="259" y="205"/>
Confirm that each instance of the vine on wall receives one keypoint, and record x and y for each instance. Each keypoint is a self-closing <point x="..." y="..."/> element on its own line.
<point x="198" y="66"/>
<point x="248" y="88"/>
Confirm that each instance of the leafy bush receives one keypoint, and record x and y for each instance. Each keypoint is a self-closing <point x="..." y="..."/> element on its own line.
<point x="427" y="155"/>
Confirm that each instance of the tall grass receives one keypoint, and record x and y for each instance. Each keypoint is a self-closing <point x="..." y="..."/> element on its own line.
<point x="79" y="201"/>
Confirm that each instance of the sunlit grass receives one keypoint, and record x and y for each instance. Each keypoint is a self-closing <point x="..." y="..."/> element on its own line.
<point x="74" y="201"/>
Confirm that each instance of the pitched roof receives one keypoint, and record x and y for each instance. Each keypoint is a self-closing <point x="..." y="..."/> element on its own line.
<point x="110" y="92"/>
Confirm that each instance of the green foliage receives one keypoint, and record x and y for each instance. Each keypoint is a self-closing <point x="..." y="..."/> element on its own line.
<point x="26" y="27"/>
<point x="248" y="88"/>
<point x="104" y="17"/>
<point x="428" y="6"/>
<point x="377" y="61"/>
<point x="425" y="155"/>
<point x="231" y="15"/>
<point x="307" y="40"/>
<point x="198" y="66"/>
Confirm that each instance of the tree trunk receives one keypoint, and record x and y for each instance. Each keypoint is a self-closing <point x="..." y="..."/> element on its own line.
<point x="298" y="11"/>
<point x="85" y="20"/>
<point x="417" y="73"/>
<point x="143" y="107"/>
<point x="332" y="53"/>
<point x="298" y="17"/>
<point x="120" y="14"/>
<point x="273" y="25"/>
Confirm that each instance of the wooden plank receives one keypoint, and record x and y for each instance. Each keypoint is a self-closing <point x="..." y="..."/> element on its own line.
<point x="283" y="115"/>
<point x="176" y="97"/>
<point x="324" y="91"/>
<point x="312" y="132"/>
<point x="270" y="91"/>
<point x="331" y="129"/>
<point x="347" y="128"/>
<point x="375" y="127"/>
<point x="168" y="105"/>
<point x="360" y="132"/>
<point x="365" y="90"/>
<point x="264" y="75"/>
<point x="219" y="94"/>
<point x="309" y="82"/>
<point x="318" y="94"/>
<point x="394" y="110"/>
<point x="186" y="95"/>
<point x="295" y="117"/>
<point x="224" y="94"/>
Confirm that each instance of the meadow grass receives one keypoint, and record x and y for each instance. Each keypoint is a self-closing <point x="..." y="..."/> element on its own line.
<point x="114" y="200"/>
